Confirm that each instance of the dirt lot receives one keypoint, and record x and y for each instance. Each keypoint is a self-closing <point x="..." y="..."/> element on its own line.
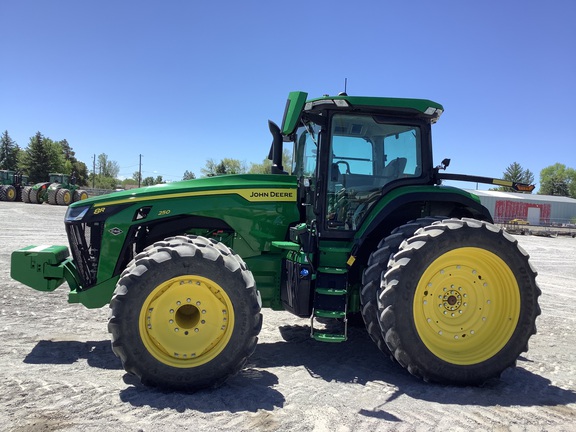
<point x="58" y="372"/>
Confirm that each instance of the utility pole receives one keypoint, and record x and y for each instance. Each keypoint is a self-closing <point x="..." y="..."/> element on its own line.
<point x="93" y="171"/>
<point x="140" y="171"/>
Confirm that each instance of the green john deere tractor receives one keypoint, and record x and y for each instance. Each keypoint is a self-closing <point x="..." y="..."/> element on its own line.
<point x="11" y="184"/>
<point x="361" y="225"/>
<point x="60" y="189"/>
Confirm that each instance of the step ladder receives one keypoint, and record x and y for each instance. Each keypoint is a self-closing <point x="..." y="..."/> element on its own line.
<point x="330" y="305"/>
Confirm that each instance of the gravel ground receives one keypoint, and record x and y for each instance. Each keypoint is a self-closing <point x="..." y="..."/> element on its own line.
<point x="58" y="372"/>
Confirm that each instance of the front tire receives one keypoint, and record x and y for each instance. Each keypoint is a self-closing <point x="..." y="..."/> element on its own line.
<point x="36" y="196"/>
<point x="185" y="314"/>
<point x="459" y="303"/>
<point x="52" y="196"/>
<point x="10" y="193"/>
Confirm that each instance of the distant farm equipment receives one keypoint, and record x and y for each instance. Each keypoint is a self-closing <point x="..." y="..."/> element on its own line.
<point x="11" y="184"/>
<point x="545" y="229"/>
<point x="61" y="189"/>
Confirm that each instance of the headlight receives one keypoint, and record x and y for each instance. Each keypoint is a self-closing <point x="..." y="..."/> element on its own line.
<point x="76" y="213"/>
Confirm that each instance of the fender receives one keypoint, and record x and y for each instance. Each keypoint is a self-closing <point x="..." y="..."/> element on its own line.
<point x="408" y="203"/>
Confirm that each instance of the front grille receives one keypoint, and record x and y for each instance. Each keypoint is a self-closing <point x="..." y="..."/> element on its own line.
<point x="85" y="239"/>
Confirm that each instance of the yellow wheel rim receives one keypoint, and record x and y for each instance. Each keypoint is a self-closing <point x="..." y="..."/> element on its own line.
<point x="186" y="321"/>
<point x="466" y="306"/>
<point x="11" y="194"/>
<point x="67" y="197"/>
<point x="83" y="195"/>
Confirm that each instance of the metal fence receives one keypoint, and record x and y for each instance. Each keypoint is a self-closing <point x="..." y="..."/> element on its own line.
<point x="98" y="192"/>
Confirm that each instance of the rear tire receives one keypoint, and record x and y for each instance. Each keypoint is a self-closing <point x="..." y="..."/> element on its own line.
<point x="372" y="276"/>
<point x="2" y="193"/>
<point x="63" y="197"/>
<point x="80" y="195"/>
<point x="460" y="302"/>
<point x="26" y="194"/>
<point x="185" y="314"/>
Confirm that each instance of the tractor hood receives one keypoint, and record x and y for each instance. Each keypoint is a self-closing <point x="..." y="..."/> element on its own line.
<point x="249" y="211"/>
<point x="249" y="187"/>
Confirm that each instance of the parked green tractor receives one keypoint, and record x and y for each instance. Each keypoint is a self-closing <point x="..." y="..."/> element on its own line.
<point x="360" y="226"/>
<point x="61" y="189"/>
<point x="11" y="184"/>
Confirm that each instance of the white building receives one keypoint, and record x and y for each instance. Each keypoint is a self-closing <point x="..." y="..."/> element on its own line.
<point x="536" y="209"/>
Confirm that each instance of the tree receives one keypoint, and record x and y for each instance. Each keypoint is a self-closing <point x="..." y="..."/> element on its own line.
<point x="209" y="169"/>
<point x="515" y="173"/>
<point x="266" y="165"/>
<point x="67" y="151"/>
<point x="71" y="164"/>
<point x="129" y="183"/>
<point x="8" y="153"/>
<point x="107" y="173"/>
<point x="149" y="181"/>
<point x="106" y="167"/>
<point x="43" y="156"/>
<point x="225" y="166"/>
<point x="102" y="182"/>
<point x="37" y="160"/>
<point x="56" y="156"/>
<point x="188" y="175"/>
<point x="221" y="169"/>
<point x="559" y="180"/>
<point x="81" y="172"/>
<point x="138" y="177"/>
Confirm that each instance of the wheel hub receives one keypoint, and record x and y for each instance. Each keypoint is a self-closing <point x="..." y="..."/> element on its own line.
<point x="452" y="300"/>
<point x="186" y="321"/>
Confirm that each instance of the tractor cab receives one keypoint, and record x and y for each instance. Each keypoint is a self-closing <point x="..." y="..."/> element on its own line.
<point x="6" y="177"/>
<point x="351" y="151"/>
<point x="59" y="178"/>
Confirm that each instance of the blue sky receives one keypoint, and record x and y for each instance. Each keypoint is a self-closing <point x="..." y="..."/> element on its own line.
<point x="184" y="81"/>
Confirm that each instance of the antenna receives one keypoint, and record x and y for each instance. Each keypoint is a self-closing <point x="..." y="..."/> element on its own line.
<point x="345" y="87"/>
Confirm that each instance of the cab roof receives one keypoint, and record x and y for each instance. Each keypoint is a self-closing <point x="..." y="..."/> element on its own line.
<point x="297" y="104"/>
<point x="424" y="106"/>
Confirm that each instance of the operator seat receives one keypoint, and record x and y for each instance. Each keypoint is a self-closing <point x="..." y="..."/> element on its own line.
<point x="395" y="168"/>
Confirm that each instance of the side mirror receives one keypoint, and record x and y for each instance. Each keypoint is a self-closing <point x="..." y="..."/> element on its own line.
<point x="276" y="148"/>
<point x="443" y="165"/>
